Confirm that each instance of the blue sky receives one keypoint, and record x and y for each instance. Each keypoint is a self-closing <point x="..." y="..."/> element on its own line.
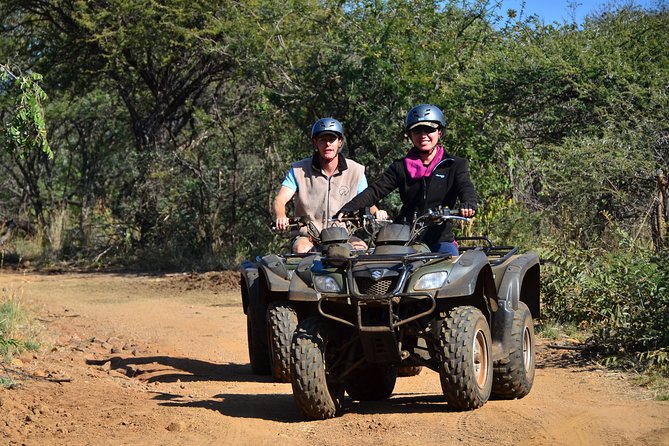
<point x="560" y="10"/>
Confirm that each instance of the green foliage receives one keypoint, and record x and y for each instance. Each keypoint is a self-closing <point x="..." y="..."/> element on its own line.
<point x="15" y="334"/>
<point x="621" y="295"/>
<point x="173" y="123"/>
<point x="26" y="131"/>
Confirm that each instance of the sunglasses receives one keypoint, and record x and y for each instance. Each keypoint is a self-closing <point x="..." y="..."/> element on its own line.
<point x="423" y="129"/>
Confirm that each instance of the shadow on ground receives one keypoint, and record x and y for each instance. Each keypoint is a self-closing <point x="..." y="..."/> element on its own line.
<point x="282" y="407"/>
<point x="168" y="369"/>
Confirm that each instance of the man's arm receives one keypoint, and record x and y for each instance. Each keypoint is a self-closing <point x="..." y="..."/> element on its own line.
<point x="282" y="198"/>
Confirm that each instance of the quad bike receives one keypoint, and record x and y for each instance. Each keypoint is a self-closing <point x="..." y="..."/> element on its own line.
<point x="270" y="317"/>
<point x="469" y="318"/>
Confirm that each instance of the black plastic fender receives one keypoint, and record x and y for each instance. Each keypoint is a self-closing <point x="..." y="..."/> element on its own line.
<point x="464" y="276"/>
<point x="301" y="284"/>
<point x="275" y="273"/>
<point x="248" y="283"/>
<point x="521" y="282"/>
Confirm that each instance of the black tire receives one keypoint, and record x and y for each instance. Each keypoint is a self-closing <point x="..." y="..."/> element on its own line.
<point x="318" y="393"/>
<point x="513" y="376"/>
<point x="405" y="371"/>
<point x="372" y="383"/>
<point x="281" y="322"/>
<point x="257" y="339"/>
<point x="465" y="366"/>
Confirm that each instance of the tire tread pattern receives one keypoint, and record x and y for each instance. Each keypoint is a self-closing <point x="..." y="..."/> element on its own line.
<point x="308" y="371"/>
<point x="458" y="382"/>
<point x="281" y="323"/>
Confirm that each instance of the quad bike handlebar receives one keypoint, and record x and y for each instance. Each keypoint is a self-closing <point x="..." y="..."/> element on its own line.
<point x="297" y="223"/>
<point x="434" y="217"/>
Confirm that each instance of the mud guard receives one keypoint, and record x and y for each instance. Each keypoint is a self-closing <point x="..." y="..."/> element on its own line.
<point x="275" y="273"/>
<point x="301" y="286"/>
<point x="463" y="279"/>
<point x="248" y="283"/>
<point x="521" y="282"/>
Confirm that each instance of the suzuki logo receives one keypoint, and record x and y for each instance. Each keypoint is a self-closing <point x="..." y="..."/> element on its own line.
<point x="376" y="275"/>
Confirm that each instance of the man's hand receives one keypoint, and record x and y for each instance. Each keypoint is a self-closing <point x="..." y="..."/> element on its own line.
<point x="358" y="244"/>
<point x="380" y="214"/>
<point x="282" y="223"/>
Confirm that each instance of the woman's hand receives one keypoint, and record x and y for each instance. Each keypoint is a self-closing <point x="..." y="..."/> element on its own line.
<point x="467" y="212"/>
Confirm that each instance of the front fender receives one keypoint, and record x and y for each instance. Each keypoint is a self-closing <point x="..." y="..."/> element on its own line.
<point x="276" y="275"/>
<point x="465" y="273"/>
<point x="521" y="282"/>
<point x="301" y="286"/>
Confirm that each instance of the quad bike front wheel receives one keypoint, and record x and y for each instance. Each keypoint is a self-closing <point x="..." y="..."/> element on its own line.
<point x="314" y="352"/>
<point x="465" y="364"/>
<point x="513" y="376"/>
<point x="281" y="322"/>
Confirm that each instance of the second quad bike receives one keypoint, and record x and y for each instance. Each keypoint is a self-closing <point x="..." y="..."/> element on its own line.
<point x="365" y="316"/>
<point x="270" y="317"/>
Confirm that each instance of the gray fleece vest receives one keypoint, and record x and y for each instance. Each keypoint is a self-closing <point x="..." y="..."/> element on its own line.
<point x="319" y="197"/>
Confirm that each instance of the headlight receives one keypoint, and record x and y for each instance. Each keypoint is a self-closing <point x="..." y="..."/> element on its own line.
<point x="326" y="284"/>
<point x="431" y="281"/>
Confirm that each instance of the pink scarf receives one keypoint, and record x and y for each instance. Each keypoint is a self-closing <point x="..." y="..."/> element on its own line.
<point x="415" y="167"/>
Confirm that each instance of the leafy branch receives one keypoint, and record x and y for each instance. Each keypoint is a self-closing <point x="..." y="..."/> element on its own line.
<point x="27" y="131"/>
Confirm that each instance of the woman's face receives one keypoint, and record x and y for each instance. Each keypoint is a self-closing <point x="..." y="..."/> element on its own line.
<point x="424" y="137"/>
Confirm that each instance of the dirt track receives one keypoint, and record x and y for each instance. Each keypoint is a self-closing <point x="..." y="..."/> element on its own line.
<point x="162" y="360"/>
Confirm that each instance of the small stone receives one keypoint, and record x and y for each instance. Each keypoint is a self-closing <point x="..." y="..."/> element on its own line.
<point x="175" y="426"/>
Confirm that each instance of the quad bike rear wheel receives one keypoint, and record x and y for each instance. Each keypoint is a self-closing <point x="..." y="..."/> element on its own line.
<point x="257" y="339"/>
<point x="465" y="365"/>
<point x="513" y="376"/>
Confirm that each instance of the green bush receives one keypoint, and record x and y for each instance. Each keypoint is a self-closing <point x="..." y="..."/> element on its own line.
<point x="621" y="296"/>
<point x="15" y="330"/>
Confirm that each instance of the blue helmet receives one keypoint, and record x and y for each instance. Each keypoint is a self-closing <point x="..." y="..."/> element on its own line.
<point x="424" y="114"/>
<point x="327" y="125"/>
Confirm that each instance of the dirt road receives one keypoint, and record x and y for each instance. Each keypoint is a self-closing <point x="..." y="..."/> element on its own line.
<point x="162" y="360"/>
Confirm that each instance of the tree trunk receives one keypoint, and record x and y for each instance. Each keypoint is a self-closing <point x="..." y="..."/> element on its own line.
<point x="660" y="221"/>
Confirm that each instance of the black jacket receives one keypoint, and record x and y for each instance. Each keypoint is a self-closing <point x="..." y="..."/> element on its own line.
<point x="448" y="182"/>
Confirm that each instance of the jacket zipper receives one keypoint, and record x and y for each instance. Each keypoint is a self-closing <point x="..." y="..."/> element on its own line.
<point x="431" y="175"/>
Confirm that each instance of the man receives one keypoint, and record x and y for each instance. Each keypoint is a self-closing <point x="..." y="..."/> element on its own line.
<point x="322" y="184"/>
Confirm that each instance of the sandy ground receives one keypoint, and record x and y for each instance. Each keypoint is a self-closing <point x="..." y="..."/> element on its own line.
<point x="162" y="360"/>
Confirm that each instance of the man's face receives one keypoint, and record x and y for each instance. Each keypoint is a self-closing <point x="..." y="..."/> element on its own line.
<point x="328" y="145"/>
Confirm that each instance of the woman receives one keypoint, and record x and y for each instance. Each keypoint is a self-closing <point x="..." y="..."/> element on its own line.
<point x="427" y="177"/>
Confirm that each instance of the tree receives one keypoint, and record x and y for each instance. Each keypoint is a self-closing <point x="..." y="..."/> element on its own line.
<point x="157" y="57"/>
